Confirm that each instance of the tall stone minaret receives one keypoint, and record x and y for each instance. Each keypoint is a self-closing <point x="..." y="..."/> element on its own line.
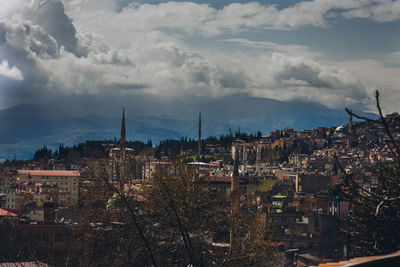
<point x="235" y="206"/>
<point x="122" y="147"/>
<point x="122" y="140"/>
<point x="199" y="141"/>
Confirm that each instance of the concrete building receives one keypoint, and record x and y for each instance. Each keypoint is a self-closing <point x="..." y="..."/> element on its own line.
<point x="67" y="182"/>
<point x="156" y="167"/>
<point x="7" y="179"/>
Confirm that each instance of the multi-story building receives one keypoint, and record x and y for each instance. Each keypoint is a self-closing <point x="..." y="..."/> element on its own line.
<point x="155" y="167"/>
<point x="121" y="162"/>
<point x="7" y="179"/>
<point x="13" y="201"/>
<point x="67" y="182"/>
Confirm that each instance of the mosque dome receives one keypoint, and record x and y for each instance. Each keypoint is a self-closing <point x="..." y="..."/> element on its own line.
<point x="340" y="129"/>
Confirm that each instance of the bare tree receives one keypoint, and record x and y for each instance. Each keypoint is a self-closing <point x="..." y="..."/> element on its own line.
<point x="374" y="222"/>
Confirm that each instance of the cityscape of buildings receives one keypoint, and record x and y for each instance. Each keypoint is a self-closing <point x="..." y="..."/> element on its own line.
<point x="289" y="179"/>
<point x="235" y="144"/>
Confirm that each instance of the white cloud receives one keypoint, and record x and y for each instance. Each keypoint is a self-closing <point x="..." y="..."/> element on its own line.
<point x="291" y="49"/>
<point x="11" y="73"/>
<point x="392" y="58"/>
<point x="193" y="18"/>
<point x="381" y="11"/>
<point x="381" y="77"/>
<point x="128" y="53"/>
<point x="8" y="7"/>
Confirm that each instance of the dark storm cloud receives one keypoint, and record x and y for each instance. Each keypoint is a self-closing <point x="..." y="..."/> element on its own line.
<point x="42" y="43"/>
<point x="233" y="80"/>
<point x="314" y="76"/>
<point x="305" y="73"/>
<point x="50" y="15"/>
<point x="24" y="44"/>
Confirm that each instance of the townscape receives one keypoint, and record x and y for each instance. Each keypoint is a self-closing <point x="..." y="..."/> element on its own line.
<point x="291" y="183"/>
<point x="199" y="133"/>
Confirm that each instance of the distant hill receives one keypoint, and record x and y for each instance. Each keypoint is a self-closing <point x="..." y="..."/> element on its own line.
<point x="26" y="127"/>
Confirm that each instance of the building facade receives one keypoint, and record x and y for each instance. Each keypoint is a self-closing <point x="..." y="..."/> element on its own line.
<point x="66" y="183"/>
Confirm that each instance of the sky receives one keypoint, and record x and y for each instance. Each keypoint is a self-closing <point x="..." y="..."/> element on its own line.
<point x="331" y="52"/>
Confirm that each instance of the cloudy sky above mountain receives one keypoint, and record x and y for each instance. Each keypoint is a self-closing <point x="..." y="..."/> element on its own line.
<point x="332" y="52"/>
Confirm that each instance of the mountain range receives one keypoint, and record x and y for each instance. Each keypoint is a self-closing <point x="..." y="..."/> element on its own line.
<point x="27" y="127"/>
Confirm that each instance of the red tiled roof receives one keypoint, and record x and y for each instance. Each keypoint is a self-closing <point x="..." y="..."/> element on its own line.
<point x="4" y="212"/>
<point x="49" y="173"/>
<point x="18" y="212"/>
